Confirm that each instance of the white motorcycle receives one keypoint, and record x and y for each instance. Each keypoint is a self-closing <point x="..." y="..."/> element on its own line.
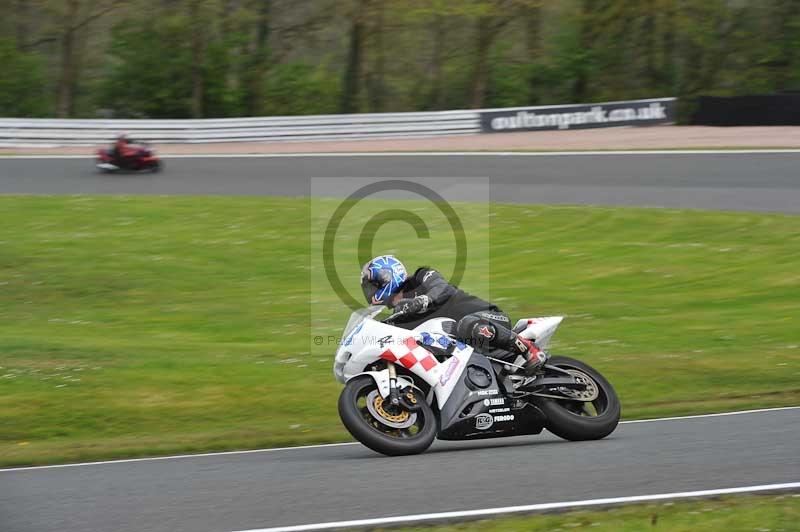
<point x="403" y="388"/>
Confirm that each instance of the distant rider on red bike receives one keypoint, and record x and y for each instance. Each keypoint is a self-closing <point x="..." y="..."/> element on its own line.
<point x="124" y="150"/>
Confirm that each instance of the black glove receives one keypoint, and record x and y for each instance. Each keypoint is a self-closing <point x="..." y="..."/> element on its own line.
<point x="417" y="305"/>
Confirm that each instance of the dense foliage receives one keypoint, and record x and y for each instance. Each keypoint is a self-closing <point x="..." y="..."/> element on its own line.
<point x="216" y="58"/>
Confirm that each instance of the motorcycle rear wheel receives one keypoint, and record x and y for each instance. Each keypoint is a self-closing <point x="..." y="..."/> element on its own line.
<point x="397" y="434"/>
<point x="578" y="421"/>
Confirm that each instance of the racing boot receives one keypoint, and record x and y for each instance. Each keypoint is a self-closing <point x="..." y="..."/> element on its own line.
<point x="482" y="333"/>
<point x="532" y="357"/>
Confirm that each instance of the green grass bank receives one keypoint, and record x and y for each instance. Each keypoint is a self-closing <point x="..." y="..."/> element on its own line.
<point x="137" y="326"/>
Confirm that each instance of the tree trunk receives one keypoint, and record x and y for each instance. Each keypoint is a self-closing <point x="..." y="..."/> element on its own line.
<point x="436" y="94"/>
<point x="533" y="46"/>
<point x="254" y="76"/>
<point x="652" y="77"/>
<point x="480" y="73"/>
<point x="21" y="23"/>
<point x="670" y="53"/>
<point x="580" y="88"/>
<point x="198" y="57"/>
<point x="66" y="82"/>
<point x="377" y="86"/>
<point x="228" y="8"/>
<point x="228" y="26"/>
<point x="352" y="74"/>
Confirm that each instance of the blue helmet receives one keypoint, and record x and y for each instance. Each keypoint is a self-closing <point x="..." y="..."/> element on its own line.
<point x="382" y="278"/>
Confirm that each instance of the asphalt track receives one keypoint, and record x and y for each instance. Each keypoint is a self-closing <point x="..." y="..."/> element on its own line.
<point x="727" y="181"/>
<point x="331" y="483"/>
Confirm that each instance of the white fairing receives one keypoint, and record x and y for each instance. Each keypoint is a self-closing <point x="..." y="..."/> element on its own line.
<point x="433" y="327"/>
<point x="107" y="166"/>
<point x="366" y="341"/>
<point x="539" y="330"/>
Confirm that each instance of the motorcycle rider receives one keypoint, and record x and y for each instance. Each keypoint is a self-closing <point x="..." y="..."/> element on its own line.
<point x="123" y="150"/>
<point x="426" y="294"/>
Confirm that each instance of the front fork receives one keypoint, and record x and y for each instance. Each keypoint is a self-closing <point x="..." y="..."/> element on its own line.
<point x="407" y="400"/>
<point x="394" y="393"/>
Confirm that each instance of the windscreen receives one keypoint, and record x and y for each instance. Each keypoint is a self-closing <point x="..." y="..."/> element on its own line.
<point x="359" y="316"/>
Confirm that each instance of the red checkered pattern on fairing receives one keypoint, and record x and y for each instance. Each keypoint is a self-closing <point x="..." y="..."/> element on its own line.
<point x="409" y="353"/>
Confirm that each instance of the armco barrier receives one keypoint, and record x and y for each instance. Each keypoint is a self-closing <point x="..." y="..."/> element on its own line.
<point x="22" y="131"/>
<point x="29" y="131"/>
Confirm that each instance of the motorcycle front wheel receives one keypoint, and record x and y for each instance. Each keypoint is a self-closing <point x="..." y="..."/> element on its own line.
<point x="392" y="431"/>
<point x="591" y="419"/>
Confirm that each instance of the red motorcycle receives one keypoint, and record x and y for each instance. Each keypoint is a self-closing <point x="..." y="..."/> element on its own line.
<point x="137" y="158"/>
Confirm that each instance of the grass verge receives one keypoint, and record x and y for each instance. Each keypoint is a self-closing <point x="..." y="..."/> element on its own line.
<point x="775" y="513"/>
<point x="149" y="325"/>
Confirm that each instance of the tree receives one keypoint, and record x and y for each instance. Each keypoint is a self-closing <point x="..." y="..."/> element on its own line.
<point x="300" y="89"/>
<point x="376" y="83"/>
<point x="74" y="18"/>
<point x="783" y="56"/>
<point x="198" y="29"/>
<point x="22" y="82"/>
<point x="351" y="80"/>
<point x="489" y="18"/>
<point x="192" y="58"/>
<point x="256" y="66"/>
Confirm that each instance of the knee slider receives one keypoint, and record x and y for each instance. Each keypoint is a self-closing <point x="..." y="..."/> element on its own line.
<point x="474" y="329"/>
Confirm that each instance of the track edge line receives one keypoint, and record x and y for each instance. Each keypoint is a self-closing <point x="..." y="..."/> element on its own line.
<point x="532" y="508"/>
<point x="342" y="444"/>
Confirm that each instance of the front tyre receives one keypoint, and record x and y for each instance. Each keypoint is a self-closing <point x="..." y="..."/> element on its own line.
<point x="582" y="420"/>
<point x="393" y="432"/>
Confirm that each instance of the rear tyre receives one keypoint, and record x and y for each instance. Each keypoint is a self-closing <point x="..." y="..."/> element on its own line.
<point x="157" y="167"/>
<point x="384" y="430"/>
<point x="575" y="420"/>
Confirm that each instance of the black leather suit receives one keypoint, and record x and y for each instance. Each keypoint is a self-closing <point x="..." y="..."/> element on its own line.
<point x="479" y="323"/>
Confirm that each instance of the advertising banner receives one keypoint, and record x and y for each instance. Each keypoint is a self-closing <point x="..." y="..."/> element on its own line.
<point x="579" y="116"/>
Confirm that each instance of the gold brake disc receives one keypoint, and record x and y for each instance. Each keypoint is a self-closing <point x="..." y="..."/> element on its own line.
<point x="399" y="418"/>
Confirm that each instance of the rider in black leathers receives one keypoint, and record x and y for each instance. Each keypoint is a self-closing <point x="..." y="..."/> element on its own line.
<point x="426" y="294"/>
